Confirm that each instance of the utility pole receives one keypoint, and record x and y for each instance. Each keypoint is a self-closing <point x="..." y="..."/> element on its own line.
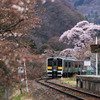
<point x="95" y="48"/>
<point x="24" y="60"/>
<point x="96" y="57"/>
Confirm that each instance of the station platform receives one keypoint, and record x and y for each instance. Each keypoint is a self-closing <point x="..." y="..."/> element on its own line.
<point x="88" y="82"/>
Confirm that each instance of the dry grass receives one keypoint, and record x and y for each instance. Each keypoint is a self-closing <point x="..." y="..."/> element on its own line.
<point x="71" y="81"/>
<point x="27" y="98"/>
<point x="23" y="96"/>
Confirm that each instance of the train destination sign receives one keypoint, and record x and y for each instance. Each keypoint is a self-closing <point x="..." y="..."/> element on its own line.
<point x="95" y="48"/>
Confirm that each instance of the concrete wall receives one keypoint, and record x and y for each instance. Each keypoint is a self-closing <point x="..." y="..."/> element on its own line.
<point x="89" y="82"/>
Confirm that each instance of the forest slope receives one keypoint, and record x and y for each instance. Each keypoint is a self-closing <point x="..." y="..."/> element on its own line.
<point x="89" y="8"/>
<point x="58" y="17"/>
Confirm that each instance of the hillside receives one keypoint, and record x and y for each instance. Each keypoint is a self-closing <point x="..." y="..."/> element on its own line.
<point x="89" y="8"/>
<point x="58" y="17"/>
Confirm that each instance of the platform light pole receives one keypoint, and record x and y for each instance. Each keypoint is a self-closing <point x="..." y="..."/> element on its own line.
<point x="24" y="60"/>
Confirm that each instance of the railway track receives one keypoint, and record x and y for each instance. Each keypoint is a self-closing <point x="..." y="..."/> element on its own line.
<point x="72" y="92"/>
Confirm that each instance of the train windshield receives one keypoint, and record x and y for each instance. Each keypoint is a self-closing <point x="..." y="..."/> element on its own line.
<point x="59" y="62"/>
<point x="50" y="62"/>
<point x="55" y="62"/>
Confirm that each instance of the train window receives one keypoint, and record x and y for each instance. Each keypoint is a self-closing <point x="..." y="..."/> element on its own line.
<point x="66" y="64"/>
<point x="75" y="65"/>
<point x="79" y="66"/>
<point x="69" y="64"/>
<point x="50" y="62"/>
<point x="72" y="65"/>
<point x="59" y="62"/>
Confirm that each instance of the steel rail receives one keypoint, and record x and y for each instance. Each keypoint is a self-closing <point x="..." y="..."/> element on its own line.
<point x="66" y="93"/>
<point x="87" y="93"/>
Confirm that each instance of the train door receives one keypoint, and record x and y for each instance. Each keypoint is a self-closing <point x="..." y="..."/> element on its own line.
<point x="54" y="68"/>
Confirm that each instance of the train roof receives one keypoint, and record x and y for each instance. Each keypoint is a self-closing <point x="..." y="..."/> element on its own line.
<point x="65" y="58"/>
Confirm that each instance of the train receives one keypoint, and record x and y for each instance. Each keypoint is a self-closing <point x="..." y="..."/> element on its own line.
<point x="63" y="66"/>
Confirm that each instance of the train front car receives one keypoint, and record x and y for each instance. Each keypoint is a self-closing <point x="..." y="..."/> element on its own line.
<point x="54" y="67"/>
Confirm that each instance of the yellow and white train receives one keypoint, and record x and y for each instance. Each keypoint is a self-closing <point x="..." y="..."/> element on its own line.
<point x="63" y="66"/>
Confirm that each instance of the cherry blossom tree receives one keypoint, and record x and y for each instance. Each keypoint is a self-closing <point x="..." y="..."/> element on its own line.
<point x="80" y="36"/>
<point x="68" y="52"/>
<point x="17" y="19"/>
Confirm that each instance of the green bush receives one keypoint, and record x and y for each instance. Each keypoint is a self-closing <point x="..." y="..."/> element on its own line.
<point x="42" y="48"/>
<point x="2" y="91"/>
<point x="19" y="96"/>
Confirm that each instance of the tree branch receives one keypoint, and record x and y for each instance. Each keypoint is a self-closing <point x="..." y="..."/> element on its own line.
<point x="9" y="28"/>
